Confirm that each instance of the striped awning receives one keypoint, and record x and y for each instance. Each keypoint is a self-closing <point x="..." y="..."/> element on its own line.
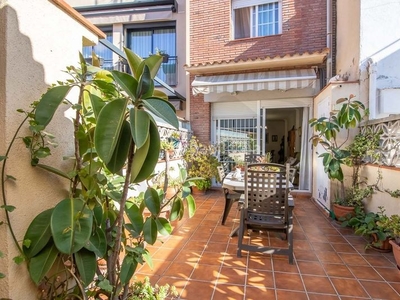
<point x="273" y="80"/>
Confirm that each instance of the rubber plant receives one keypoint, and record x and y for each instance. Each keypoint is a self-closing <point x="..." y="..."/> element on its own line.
<point x="117" y="145"/>
<point x="326" y="129"/>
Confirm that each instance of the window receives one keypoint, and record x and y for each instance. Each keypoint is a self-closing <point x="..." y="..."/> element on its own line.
<point x="105" y="54"/>
<point x="145" y="41"/>
<point x="253" y="18"/>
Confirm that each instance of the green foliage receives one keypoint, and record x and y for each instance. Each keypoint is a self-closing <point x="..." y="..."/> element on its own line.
<point x="391" y="224"/>
<point x="327" y="129"/>
<point x="202" y="184"/>
<point x="114" y="134"/>
<point x="201" y="162"/>
<point x="367" y="224"/>
<point x="143" y="290"/>
<point x="354" y="196"/>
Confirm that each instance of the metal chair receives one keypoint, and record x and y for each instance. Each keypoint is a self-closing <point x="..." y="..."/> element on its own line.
<point x="230" y="196"/>
<point x="266" y="207"/>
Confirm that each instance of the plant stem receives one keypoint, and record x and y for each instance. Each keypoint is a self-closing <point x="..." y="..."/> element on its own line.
<point x="3" y="189"/>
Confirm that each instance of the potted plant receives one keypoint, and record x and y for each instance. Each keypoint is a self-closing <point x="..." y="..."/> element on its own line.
<point x="370" y="225"/>
<point x="392" y="225"/>
<point x="338" y="154"/>
<point x="201" y="163"/>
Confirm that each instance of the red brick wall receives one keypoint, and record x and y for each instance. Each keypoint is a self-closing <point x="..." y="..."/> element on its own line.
<point x="303" y="30"/>
<point x="200" y="117"/>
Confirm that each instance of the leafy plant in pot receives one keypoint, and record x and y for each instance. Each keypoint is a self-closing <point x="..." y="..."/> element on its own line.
<point x="338" y="154"/>
<point x="392" y="225"/>
<point x="113" y="134"/>
<point x="201" y="163"/>
<point x="370" y="225"/>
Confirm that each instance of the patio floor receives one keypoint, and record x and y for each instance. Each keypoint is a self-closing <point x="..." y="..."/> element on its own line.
<point x="199" y="259"/>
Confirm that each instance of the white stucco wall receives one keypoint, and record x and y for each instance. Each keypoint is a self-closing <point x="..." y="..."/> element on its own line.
<point x="38" y="40"/>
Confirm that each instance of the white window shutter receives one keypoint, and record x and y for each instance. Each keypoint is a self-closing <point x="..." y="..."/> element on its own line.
<point x="247" y="3"/>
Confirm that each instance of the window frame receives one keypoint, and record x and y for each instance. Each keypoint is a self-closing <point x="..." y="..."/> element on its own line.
<point x="252" y="4"/>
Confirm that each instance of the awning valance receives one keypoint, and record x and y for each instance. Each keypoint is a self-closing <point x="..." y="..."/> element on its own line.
<point x="273" y="80"/>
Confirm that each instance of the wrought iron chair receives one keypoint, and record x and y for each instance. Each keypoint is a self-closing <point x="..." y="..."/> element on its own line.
<point x="230" y="196"/>
<point x="266" y="206"/>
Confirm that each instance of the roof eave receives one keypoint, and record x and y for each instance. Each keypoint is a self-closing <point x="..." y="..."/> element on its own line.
<point x="285" y="62"/>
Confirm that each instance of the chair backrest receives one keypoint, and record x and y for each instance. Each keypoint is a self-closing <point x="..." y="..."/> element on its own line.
<point x="292" y="174"/>
<point x="266" y="190"/>
<point x="221" y="173"/>
<point x="251" y="157"/>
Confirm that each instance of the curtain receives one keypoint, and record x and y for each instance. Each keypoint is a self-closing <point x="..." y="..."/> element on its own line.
<point x="141" y="42"/>
<point x="306" y="154"/>
<point x="242" y="23"/>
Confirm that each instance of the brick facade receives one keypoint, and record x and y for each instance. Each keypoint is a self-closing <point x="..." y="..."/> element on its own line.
<point x="303" y="30"/>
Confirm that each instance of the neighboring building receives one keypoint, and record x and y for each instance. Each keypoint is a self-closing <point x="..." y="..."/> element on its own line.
<point x="368" y="66"/>
<point x="145" y="27"/>
<point x="255" y="67"/>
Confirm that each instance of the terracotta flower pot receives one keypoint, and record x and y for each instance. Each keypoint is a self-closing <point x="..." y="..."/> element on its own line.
<point x="396" y="252"/>
<point x="385" y="246"/>
<point x="342" y="211"/>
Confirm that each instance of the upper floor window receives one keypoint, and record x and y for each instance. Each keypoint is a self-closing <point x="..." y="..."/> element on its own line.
<point x="105" y="55"/>
<point x="147" y="40"/>
<point x="253" y="18"/>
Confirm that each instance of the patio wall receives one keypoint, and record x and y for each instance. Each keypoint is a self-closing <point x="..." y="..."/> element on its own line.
<point x="38" y="41"/>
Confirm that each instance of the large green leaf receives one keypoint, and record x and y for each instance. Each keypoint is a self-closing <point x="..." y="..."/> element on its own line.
<point x="71" y="225"/>
<point x="140" y="122"/>
<point x="38" y="234"/>
<point x="128" y="268"/>
<point x="150" y="231"/>
<point x="139" y="159"/>
<point x="49" y="103"/>
<point x="87" y="264"/>
<point x="152" y="201"/>
<point x="120" y="154"/>
<point x="153" y="153"/>
<point x="42" y="263"/>
<point x="108" y="128"/>
<point x="163" y="226"/>
<point x="135" y="216"/>
<point x="154" y="63"/>
<point x="177" y="206"/>
<point x="146" y="84"/>
<point x="96" y="103"/>
<point x="191" y="205"/>
<point x="97" y="242"/>
<point x="134" y="60"/>
<point x="162" y="109"/>
<point x="127" y="82"/>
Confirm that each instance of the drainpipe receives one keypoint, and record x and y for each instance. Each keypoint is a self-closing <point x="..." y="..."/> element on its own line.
<point x="372" y="74"/>
<point x="329" y="39"/>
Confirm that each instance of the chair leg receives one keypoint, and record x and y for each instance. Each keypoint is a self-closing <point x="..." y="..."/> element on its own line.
<point x="240" y="235"/>
<point x="228" y="205"/>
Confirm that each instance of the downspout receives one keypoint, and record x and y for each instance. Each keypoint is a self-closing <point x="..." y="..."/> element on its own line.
<point x="372" y="75"/>
<point x="329" y="39"/>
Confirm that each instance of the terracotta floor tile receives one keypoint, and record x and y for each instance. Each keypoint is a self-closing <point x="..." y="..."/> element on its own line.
<point x="380" y="290"/>
<point x="228" y="292"/>
<point x="260" y="263"/>
<point x="179" y="269"/>
<point x="322" y="297"/>
<point x="216" y="247"/>
<point x="288" y="281"/>
<point x="290" y="295"/>
<point x="353" y="259"/>
<point x="159" y="267"/>
<point x="201" y="290"/>
<point x="206" y="273"/>
<point x="336" y="239"/>
<point x="318" y="284"/>
<point x="260" y="278"/>
<point x="311" y="268"/>
<point x="337" y="270"/>
<point x="211" y="258"/>
<point x="232" y="275"/>
<point x="233" y="261"/>
<point x="302" y="245"/>
<point x="317" y="246"/>
<point x="365" y="272"/>
<point x="305" y="255"/>
<point x="341" y="247"/>
<point x="348" y="287"/>
<point x="329" y="257"/>
<point x="259" y="292"/>
<point x="179" y="284"/>
<point x="389" y="274"/>
<point x="281" y="264"/>
<point x="378" y="261"/>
